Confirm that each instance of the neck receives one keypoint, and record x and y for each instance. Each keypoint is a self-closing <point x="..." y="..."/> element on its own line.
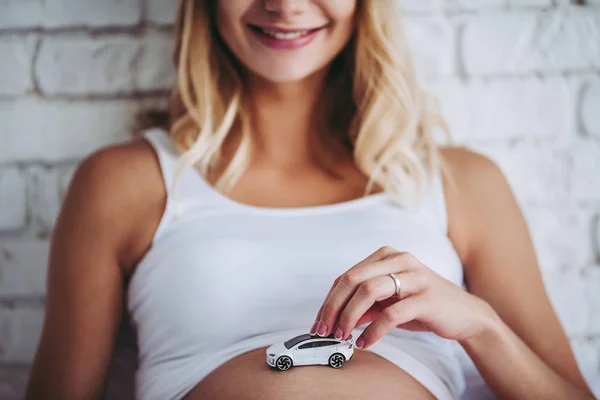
<point x="288" y="120"/>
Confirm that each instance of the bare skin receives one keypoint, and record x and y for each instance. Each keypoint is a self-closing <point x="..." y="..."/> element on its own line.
<point x="367" y="376"/>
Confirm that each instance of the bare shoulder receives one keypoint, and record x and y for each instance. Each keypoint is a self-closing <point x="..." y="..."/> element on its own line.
<point x="471" y="170"/>
<point x="477" y="193"/>
<point x="120" y="172"/>
<point x="119" y="187"/>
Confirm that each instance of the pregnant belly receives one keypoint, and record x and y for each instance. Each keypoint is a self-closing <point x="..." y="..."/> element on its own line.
<point x="365" y="376"/>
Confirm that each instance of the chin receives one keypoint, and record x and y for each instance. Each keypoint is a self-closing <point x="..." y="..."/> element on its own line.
<point x="284" y="77"/>
<point x="285" y="74"/>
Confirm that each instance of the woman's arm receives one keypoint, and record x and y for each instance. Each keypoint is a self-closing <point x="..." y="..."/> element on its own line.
<point x="93" y="240"/>
<point x="524" y="353"/>
<point x="506" y="292"/>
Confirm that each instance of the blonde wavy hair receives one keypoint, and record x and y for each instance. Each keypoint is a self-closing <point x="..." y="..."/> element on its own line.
<point x="380" y="113"/>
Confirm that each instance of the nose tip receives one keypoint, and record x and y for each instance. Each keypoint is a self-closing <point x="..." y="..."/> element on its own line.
<point x="285" y="7"/>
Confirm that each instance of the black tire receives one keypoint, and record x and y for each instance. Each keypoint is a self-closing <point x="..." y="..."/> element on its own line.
<point x="283" y="363"/>
<point x="337" y="360"/>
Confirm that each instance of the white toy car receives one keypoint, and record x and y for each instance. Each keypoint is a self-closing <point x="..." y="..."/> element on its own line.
<point x="307" y="349"/>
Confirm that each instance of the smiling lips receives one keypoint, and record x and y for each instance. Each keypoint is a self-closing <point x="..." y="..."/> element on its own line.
<point x="288" y="39"/>
<point x="285" y="36"/>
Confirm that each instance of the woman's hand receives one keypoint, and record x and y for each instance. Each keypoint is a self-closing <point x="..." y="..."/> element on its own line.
<point x="427" y="302"/>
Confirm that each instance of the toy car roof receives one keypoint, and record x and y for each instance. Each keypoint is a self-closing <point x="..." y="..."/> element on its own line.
<point x="306" y="336"/>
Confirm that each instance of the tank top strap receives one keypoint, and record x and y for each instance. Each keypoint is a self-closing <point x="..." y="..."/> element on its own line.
<point x="438" y="200"/>
<point x="432" y="205"/>
<point x="166" y="153"/>
<point x="192" y="189"/>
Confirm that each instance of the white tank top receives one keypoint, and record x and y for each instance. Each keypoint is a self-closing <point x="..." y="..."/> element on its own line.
<point x="222" y="278"/>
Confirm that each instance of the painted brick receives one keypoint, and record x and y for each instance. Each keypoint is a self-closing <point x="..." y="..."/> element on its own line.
<point x="506" y="108"/>
<point x="591" y="277"/>
<point x="21" y="13"/>
<point x="47" y="188"/>
<point x="587" y="353"/>
<point x="58" y="130"/>
<point x="20" y="330"/>
<point x="13" y="205"/>
<point x="496" y="4"/>
<point x="162" y="12"/>
<point x="585" y="174"/>
<point x="23" y="265"/>
<point x="431" y="6"/>
<point x="431" y="41"/>
<point x="44" y="198"/>
<point x="590" y="107"/>
<point x="16" y="75"/>
<point x="561" y="236"/>
<point x="530" y="3"/>
<point x="476" y="4"/>
<point x="65" y="175"/>
<point x="111" y="65"/>
<point x="421" y="6"/>
<point x="65" y="13"/>
<point x="502" y="43"/>
<point x="569" y="299"/>
<point x="13" y="380"/>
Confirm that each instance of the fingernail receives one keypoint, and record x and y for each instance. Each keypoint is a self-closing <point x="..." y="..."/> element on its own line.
<point x="339" y="334"/>
<point x="313" y="328"/>
<point x="360" y="342"/>
<point x="321" y="328"/>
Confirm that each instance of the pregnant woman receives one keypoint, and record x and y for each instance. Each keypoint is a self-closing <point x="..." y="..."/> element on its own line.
<point x="296" y="170"/>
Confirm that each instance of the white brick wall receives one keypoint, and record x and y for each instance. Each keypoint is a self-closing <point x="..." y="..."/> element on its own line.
<point x="483" y="109"/>
<point x="160" y="11"/>
<point x="104" y="65"/>
<point x="69" y="13"/>
<point x="518" y="80"/>
<point x="20" y="327"/>
<point x="16" y="54"/>
<point x="50" y="130"/>
<point x="530" y="41"/>
<point x="590" y="117"/>
<point x="13" y="211"/>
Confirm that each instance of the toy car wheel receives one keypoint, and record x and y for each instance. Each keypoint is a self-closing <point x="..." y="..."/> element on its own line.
<point x="283" y="363"/>
<point x="337" y="360"/>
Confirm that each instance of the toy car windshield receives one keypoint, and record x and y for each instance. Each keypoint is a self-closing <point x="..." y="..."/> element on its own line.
<point x="301" y="338"/>
<point x="295" y="340"/>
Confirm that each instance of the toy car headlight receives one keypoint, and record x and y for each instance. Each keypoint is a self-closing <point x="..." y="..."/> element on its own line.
<point x="272" y="355"/>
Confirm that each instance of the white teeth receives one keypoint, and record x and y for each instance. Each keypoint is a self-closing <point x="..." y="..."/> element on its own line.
<point x="285" y="36"/>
